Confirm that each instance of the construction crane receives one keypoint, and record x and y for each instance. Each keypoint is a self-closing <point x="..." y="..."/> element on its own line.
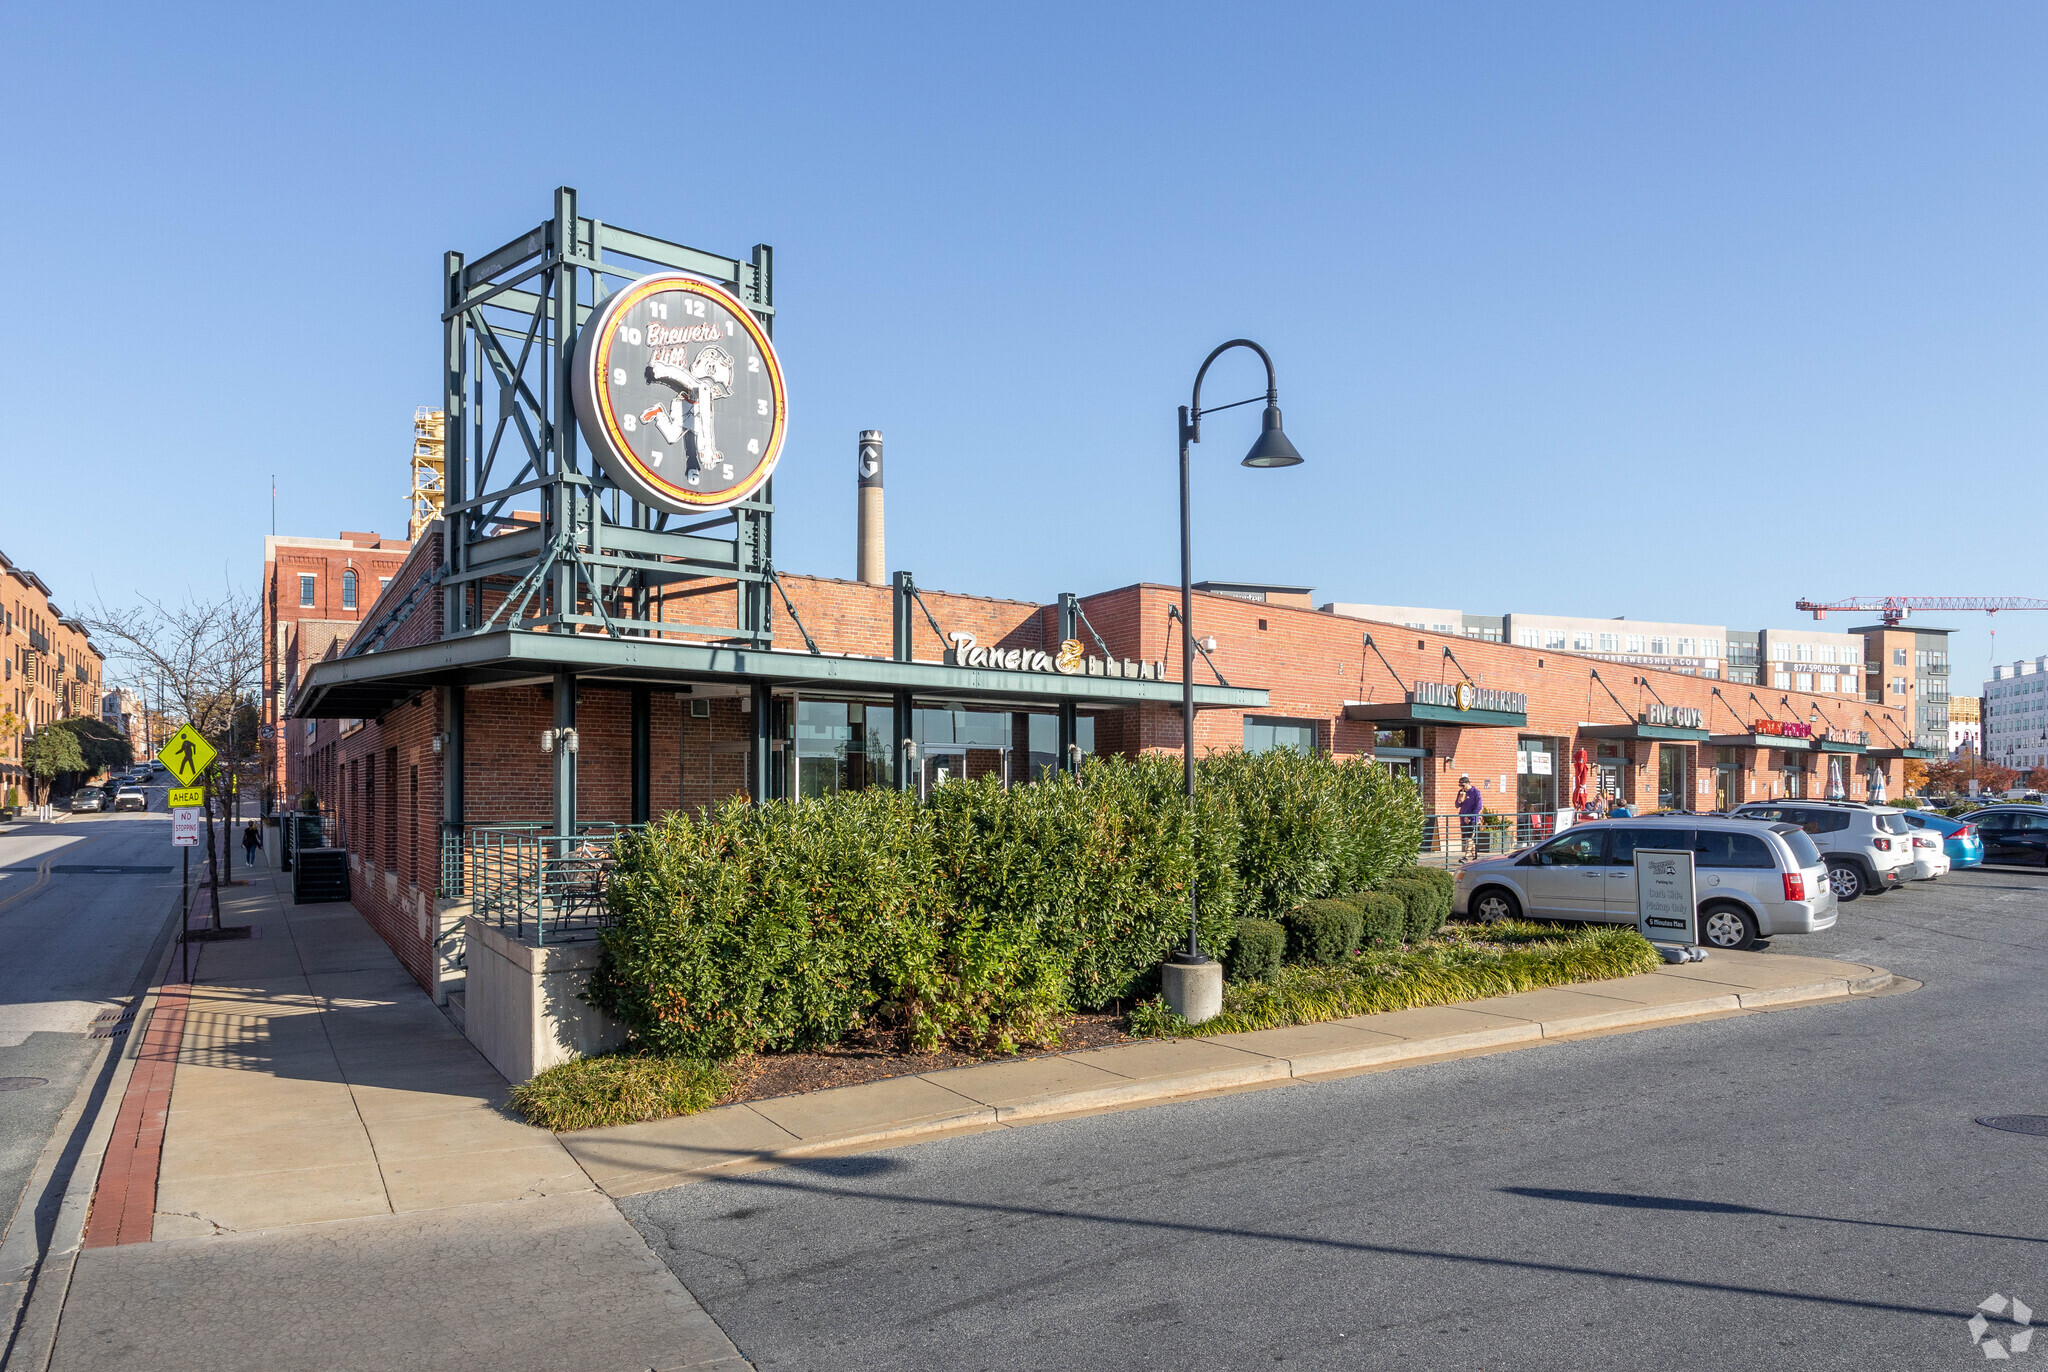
<point x="1895" y="608"/>
<point x="429" y="474"/>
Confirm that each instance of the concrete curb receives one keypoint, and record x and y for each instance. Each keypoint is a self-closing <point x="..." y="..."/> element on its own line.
<point x="636" y="1158"/>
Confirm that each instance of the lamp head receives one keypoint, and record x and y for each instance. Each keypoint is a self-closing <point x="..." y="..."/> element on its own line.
<point x="1271" y="448"/>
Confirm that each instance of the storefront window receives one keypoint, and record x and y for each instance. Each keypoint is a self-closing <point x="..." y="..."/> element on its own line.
<point x="1264" y="735"/>
<point x="1535" y="774"/>
<point x="841" y="746"/>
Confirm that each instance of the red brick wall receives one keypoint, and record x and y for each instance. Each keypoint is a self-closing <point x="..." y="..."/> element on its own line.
<point x="395" y="850"/>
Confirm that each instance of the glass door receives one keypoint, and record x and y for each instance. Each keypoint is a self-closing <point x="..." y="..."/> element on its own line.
<point x="1671" y="778"/>
<point x="1727" y="787"/>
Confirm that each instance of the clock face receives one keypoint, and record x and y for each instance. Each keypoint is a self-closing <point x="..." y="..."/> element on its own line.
<point x="679" y="394"/>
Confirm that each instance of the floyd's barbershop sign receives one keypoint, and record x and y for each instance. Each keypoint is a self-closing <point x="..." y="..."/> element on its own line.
<point x="1463" y="695"/>
<point x="1782" y="728"/>
<point x="1671" y="716"/>
<point x="1068" y="661"/>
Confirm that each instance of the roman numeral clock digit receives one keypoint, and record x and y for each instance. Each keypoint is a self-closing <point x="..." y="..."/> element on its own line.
<point x="669" y="363"/>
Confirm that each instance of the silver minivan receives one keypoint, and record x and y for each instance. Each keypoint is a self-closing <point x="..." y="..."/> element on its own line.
<point x="1755" y="880"/>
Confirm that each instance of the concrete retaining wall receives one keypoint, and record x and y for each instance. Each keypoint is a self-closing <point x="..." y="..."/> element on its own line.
<point x="522" y="1005"/>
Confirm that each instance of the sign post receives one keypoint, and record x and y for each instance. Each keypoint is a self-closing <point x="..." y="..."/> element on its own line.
<point x="185" y="755"/>
<point x="1667" y="902"/>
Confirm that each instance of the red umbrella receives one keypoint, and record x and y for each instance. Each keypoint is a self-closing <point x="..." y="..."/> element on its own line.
<point x="1579" y="779"/>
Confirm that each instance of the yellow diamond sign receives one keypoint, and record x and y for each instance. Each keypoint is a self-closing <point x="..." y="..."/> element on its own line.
<point x="186" y="755"/>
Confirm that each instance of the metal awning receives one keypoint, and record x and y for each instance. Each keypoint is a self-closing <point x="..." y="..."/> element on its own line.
<point x="1829" y="745"/>
<point x="366" y="687"/>
<point x="1667" y="733"/>
<point x="1401" y="712"/>
<point x="1796" y="745"/>
<point x="1915" y="754"/>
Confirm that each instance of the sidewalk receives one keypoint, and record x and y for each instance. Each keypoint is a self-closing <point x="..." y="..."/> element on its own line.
<point x="634" y="1158"/>
<point x="312" y="1170"/>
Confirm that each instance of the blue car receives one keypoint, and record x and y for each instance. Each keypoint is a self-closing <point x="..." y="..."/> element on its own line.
<point x="1959" y="837"/>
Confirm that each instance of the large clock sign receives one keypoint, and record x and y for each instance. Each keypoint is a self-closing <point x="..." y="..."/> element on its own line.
<point x="679" y="394"/>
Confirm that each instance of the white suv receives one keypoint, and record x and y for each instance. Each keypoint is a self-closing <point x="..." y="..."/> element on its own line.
<point x="1869" y="848"/>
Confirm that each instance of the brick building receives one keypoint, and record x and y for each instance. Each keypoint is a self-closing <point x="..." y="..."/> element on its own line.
<point x="50" y="669"/>
<point x="315" y="592"/>
<point x="428" y="733"/>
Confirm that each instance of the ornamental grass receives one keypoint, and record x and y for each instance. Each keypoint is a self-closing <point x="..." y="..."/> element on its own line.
<point x="620" y="1088"/>
<point x="1463" y="962"/>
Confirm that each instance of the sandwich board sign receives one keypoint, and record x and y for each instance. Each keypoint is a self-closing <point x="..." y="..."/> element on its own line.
<point x="1667" y="906"/>
<point x="186" y="755"/>
<point x="184" y="828"/>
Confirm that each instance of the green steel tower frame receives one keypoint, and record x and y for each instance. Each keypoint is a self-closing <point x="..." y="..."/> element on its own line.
<point x="597" y="559"/>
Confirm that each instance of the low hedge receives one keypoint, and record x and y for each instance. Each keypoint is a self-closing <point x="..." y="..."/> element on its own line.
<point x="980" y="916"/>
<point x="1384" y="916"/>
<point x="1257" y="950"/>
<point x="1427" y="908"/>
<point x="1324" y="931"/>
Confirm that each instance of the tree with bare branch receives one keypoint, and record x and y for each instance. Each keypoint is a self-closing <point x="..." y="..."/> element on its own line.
<point x="205" y="658"/>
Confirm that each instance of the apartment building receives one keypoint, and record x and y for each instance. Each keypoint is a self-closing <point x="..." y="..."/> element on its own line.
<point x="1965" y="727"/>
<point x="50" y="669"/>
<point x="316" y="591"/>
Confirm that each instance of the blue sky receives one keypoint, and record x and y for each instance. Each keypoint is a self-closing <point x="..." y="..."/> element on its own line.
<point x="1680" y="312"/>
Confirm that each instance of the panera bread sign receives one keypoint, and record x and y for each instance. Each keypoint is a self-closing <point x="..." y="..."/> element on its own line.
<point x="1463" y="695"/>
<point x="1661" y="716"/>
<point x="1068" y="661"/>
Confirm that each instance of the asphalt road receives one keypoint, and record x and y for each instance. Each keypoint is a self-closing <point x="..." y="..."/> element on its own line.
<point x="1797" y="1189"/>
<point x="82" y="903"/>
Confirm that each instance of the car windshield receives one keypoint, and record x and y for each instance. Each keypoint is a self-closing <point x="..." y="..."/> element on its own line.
<point x="1803" y="851"/>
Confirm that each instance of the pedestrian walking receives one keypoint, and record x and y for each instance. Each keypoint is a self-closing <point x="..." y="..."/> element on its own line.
<point x="252" y="839"/>
<point x="1470" y="802"/>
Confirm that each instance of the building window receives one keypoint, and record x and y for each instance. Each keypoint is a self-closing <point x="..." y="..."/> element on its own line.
<point x="1659" y="645"/>
<point x="1802" y="681"/>
<point x="1582" y="641"/>
<point x="1526" y="638"/>
<point x="305" y="590"/>
<point x="1899" y="683"/>
<point x="1687" y="648"/>
<point x="1610" y="643"/>
<point x="1824" y="682"/>
<point x="1553" y="638"/>
<point x="348" y="589"/>
<point x="1781" y="680"/>
<point x="1898" y="657"/>
<point x="1264" y="735"/>
<point x="1635" y="643"/>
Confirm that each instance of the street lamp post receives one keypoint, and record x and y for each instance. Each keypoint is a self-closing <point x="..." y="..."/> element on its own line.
<point x="1270" y="449"/>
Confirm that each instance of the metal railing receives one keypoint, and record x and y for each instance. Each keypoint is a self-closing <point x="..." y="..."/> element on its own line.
<point x="299" y="830"/>
<point x="1449" y="840"/>
<point x="527" y="880"/>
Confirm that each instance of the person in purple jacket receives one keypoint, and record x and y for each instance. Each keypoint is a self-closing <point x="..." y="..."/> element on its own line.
<point x="1470" y="802"/>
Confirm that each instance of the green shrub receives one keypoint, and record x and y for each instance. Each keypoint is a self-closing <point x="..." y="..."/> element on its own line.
<point x="1309" y="827"/>
<point x="1257" y="951"/>
<point x="1428" y="905"/>
<point x="619" y="1088"/>
<point x="1323" y="931"/>
<point x="1445" y="884"/>
<point x="980" y="916"/>
<point x="1385" y="918"/>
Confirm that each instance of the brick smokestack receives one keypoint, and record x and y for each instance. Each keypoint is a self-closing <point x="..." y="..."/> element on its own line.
<point x="869" y="556"/>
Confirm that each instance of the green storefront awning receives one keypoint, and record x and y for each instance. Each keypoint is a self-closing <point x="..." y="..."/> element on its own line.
<point x="1398" y="713"/>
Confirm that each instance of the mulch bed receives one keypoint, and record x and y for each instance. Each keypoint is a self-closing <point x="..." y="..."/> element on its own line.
<point x="876" y="1057"/>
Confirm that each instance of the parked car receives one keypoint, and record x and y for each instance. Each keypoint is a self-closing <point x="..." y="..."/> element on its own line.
<point x="1755" y="880"/>
<point x="131" y="798"/>
<point x="1960" y="840"/>
<point x="2013" y="833"/>
<point x="1869" y="848"/>
<point x="88" y="800"/>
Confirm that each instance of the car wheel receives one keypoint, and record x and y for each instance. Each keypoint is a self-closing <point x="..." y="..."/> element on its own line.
<point x="1846" y="881"/>
<point x="1492" y="905"/>
<point x="1727" y="926"/>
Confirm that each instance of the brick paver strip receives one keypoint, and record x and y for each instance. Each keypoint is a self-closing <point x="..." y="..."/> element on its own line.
<point x="124" y="1205"/>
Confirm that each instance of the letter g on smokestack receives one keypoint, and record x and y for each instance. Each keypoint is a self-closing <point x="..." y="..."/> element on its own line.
<point x="869" y="557"/>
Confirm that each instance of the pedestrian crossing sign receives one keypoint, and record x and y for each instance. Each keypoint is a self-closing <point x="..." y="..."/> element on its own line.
<point x="188" y="798"/>
<point x="186" y="755"/>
